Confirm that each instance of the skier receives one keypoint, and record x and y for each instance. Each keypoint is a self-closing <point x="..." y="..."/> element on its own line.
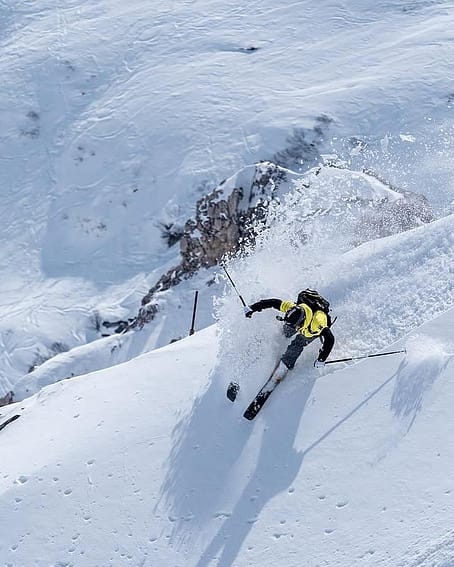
<point x="308" y="318"/>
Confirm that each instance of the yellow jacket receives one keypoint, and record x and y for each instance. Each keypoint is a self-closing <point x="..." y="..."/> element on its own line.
<point x="309" y="323"/>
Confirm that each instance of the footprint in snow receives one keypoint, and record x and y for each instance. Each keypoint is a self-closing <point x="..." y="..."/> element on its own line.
<point x="222" y="515"/>
<point x="329" y="531"/>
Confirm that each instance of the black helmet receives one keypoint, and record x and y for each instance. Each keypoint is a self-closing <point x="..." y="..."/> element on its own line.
<point x="302" y="296"/>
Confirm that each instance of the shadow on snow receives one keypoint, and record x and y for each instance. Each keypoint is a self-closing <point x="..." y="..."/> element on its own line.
<point x="277" y="465"/>
<point x="207" y="448"/>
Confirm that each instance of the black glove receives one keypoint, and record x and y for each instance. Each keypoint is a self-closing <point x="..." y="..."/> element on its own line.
<point x="248" y="311"/>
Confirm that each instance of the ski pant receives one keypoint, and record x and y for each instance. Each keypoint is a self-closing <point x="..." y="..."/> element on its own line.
<point x="295" y="348"/>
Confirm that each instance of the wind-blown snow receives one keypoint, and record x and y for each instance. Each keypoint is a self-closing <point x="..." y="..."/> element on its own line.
<point x="379" y="291"/>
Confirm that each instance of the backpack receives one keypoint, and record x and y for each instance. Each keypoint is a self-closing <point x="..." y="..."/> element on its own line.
<point x="315" y="301"/>
<point x="312" y="299"/>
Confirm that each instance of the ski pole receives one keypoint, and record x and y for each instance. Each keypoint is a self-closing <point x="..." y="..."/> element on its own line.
<point x="366" y="356"/>
<point x="191" y="330"/>
<point x="8" y="421"/>
<point x="234" y="286"/>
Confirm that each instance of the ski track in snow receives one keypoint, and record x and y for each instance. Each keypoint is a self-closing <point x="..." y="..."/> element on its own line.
<point x="437" y="553"/>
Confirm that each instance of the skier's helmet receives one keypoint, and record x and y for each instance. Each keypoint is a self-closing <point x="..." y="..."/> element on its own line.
<point x="301" y="297"/>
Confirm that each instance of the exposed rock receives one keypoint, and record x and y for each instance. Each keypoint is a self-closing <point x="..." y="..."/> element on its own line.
<point x="6" y="399"/>
<point x="224" y="220"/>
<point x="226" y="217"/>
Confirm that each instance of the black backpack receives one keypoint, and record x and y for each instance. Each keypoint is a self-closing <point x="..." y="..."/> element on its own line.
<point x="315" y="301"/>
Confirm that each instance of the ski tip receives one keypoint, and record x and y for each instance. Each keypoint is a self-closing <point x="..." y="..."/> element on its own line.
<point x="232" y="391"/>
<point x="252" y="411"/>
<point x="249" y="416"/>
<point x="231" y="396"/>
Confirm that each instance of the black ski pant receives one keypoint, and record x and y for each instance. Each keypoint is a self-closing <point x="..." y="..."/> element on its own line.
<point x="295" y="348"/>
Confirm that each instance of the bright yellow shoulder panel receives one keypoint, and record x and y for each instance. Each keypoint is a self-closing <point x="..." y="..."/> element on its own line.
<point x="286" y="305"/>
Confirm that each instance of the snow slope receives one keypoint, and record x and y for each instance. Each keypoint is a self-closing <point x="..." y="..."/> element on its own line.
<point x="379" y="291"/>
<point x="148" y="463"/>
<point x="116" y="118"/>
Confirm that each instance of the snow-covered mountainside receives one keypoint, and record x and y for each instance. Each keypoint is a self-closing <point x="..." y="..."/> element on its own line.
<point x="399" y="274"/>
<point x="148" y="463"/>
<point x="303" y="144"/>
<point x="118" y="118"/>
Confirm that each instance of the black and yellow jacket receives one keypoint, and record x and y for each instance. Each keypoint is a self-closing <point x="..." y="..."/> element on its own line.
<point x="311" y="324"/>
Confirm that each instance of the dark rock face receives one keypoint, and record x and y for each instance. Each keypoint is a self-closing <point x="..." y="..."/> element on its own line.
<point x="6" y="399"/>
<point x="224" y="220"/>
<point x="216" y="230"/>
<point x="226" y="217"/>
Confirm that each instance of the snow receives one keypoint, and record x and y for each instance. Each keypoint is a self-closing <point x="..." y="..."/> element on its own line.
<point x="116" y="119"/>
<point x="411" y="270"/>
<point x="150" y="457"/>
<point x="149" y="463"/>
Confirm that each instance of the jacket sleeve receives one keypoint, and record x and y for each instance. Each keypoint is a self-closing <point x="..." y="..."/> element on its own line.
<point x="266" y="304"/>
<point x="327" y="338"/>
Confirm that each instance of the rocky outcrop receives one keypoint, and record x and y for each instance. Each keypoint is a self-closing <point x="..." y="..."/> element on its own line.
<point x="225" y="219"/>
<point x="6" y="399"/>
<point x="215" y="231"/>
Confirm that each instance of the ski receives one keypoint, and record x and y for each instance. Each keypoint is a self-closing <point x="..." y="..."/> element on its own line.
<point x="264" y="393"/>
<point x="8" y="421"/>
<point x="232" y="391"/>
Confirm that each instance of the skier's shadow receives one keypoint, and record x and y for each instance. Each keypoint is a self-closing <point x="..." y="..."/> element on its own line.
<point x="205" y="449"/>
<point x="277" y="466"/>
